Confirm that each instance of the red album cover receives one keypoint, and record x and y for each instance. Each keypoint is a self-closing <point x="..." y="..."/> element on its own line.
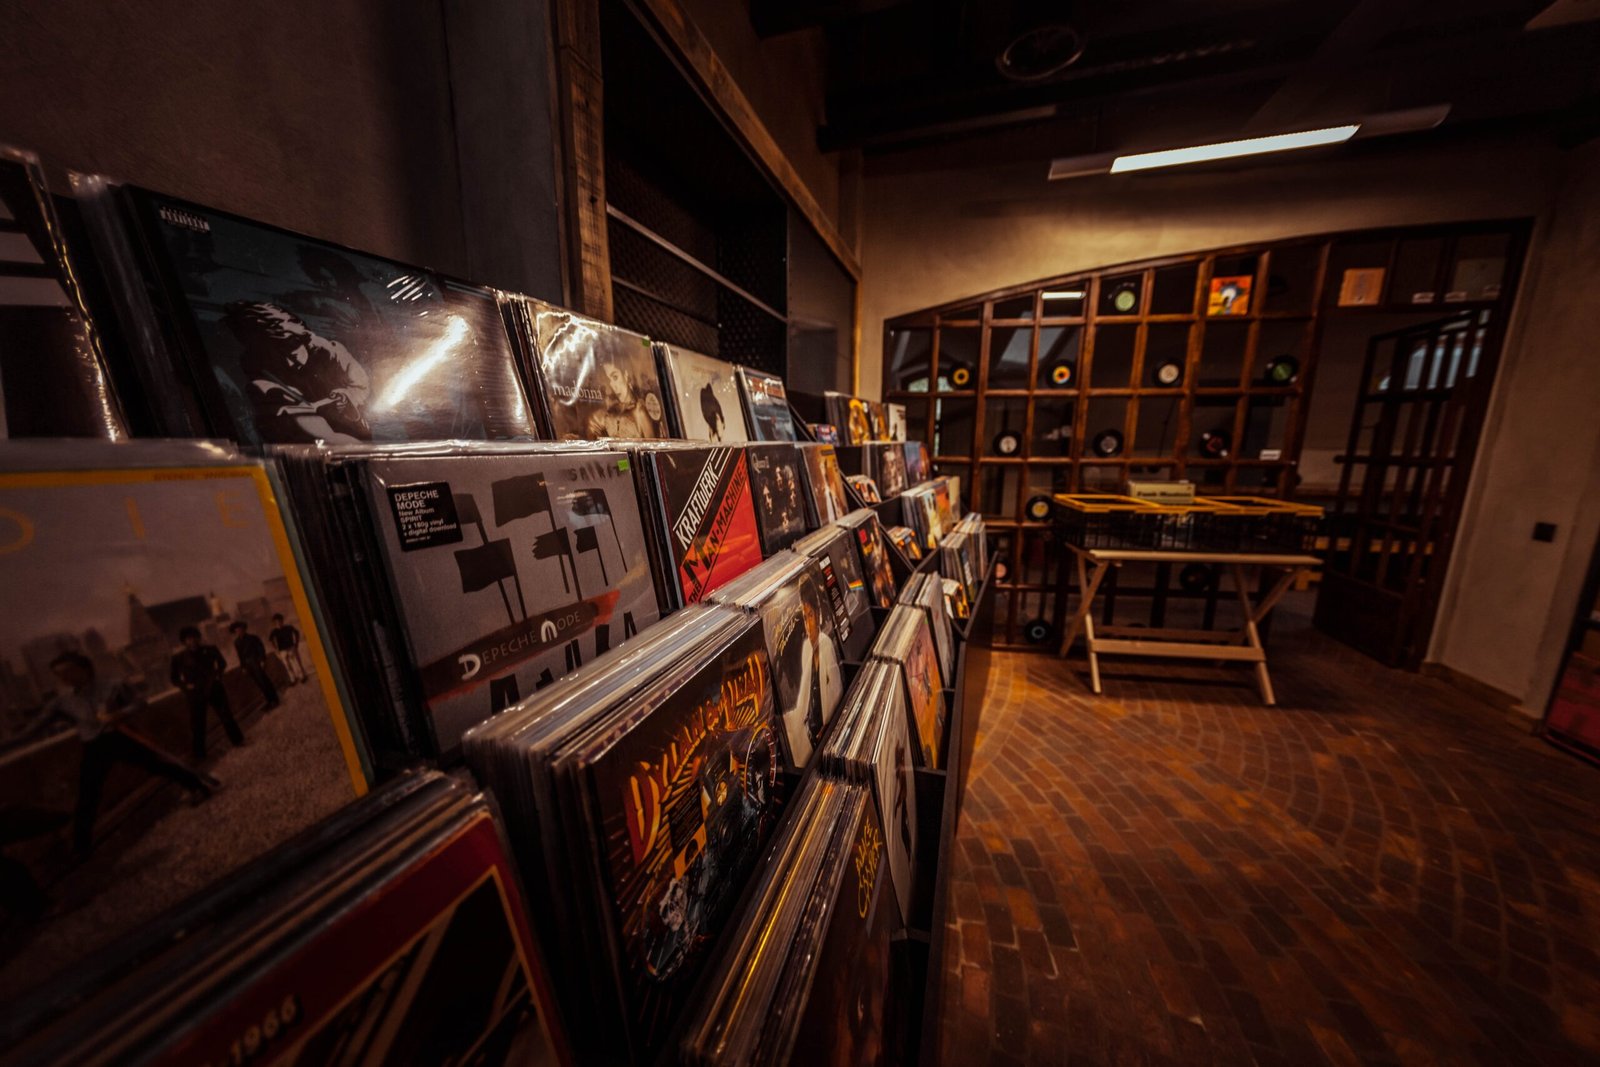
<point x="437" y="966"/>
<point x="711" y="518"/>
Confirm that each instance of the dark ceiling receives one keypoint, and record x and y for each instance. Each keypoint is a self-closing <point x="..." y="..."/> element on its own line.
<point x="1148" y="71"/>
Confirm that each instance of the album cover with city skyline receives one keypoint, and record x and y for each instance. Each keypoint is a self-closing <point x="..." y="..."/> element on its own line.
<point x="166" y="626"/>
<point x="53" y="377"/>
<point x="708" y="516"/>
<point x="766" y="406"/>
<point x="705" y="396"/>
<point x="596" y="380"/>
<point x="508" y="571"/>
<point x="776" y="482"/>
<point x="807" y="662"/>
<point x="289" y="339"/>
<point x="824" y="484"/>
<point x="685" y="794"/>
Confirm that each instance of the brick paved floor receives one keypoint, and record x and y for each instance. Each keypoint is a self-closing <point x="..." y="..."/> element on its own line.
<point x="1379" y="870"/>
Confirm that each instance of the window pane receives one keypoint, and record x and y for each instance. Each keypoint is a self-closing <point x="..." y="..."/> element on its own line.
<point x="1008" y="356"/>
<point x="1166" y="348"/>
<point x="910" y="353"/>
<point x="952" y="431"/>
<point x="1058" y="356"/>
<point x="1112" y="363"/>
<point x="1156" y="429"/>
<point x="1052" y="426"/>
<point x="1222" y="353"/>
<point x="1173" y="292"/>
<point x="1018" y="307"/>
<point x="958" y="357"/>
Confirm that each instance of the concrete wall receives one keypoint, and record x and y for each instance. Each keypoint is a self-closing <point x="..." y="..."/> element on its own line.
<point x="1509" y="600"/>
<point x="939" y="228"/>
<point x="335" y="118"/>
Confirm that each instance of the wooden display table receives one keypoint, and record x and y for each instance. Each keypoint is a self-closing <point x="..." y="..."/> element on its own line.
<point x="1243" y="645"/>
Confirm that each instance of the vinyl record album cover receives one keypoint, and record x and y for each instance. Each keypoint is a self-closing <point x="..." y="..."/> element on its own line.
<point x="597" y="380"/>
<point x="710" y="518"/>
<point x="834" y="550"/>
<point x="868" y="536"/>
<point x="889" y="469"/>
<point x="435" y="966"/>
<point x="685" y="797"/>
<point x="824" y="484"/>
<point x="845" y="1020"/>
<point x="807" y="662"/>
<point x="291" y="339"/>
<point x="893" y="755"/>
<point x="766" y="406"/>
<point x="916" y="456"/>
<point x="705" y="396"/>
<point x="895" y="419"/>
<point x="780" y="497"/>
<point x="508" y="570"/>
<point x="865" y="488"/>
<point x="877" y="420"/>
<point x="850" y="415"/>
<point x="827" y="433"/>
<point x="154" y="734"/>
<point x="1229" y="295"/>
<point x="924" y="689"/>
<point x="53" y="379"/>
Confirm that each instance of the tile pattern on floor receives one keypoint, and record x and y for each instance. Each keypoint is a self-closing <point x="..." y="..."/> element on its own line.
<point x="1378" y="870"/>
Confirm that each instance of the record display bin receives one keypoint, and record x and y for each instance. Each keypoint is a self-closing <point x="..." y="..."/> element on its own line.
<point x="1217" y="524"/>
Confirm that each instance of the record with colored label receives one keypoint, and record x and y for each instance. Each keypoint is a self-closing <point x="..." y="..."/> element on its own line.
<point x="1167" y="373"/>
<point x="1284" y="370"/>
<point x="1124" y="298"/>
<point x="1007" y="443"/>
<point x="1107" y="443"/>
<point x="960" y="376"/>
<point x="1060" y="374"/>
<point x="1038" y="508"/>
<point x="1215" y="444"/>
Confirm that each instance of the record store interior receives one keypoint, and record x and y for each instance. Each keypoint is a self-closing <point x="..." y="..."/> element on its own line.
<point x="859" y="532"/>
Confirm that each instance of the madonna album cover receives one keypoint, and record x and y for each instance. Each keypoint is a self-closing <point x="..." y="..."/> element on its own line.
<point x="597" y="380"/>
<point x="705" y="396"/>
<point x="289" y="339"/>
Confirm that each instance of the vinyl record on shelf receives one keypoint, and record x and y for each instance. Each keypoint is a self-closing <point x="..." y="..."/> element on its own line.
<point x="1007" y="443"/>
<point x="1107" y="443"/>
<point x="1167" y="373"/>
<point x="1037" y="632"/>
<point x="1195" y="578"/>
<point x="1002" y="569"/>
<point x="960" y="376"/>
<point x="1125" y="298"/>
<point x="1284" y="370"/>
<point x="1059" y="375"/>
<point x="1215" y="444"/>
<point x="1038" y="509"/>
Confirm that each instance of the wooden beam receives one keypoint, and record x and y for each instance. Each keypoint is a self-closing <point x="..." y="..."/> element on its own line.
<point x="579" y="107"/>
<point x="716" y="84"/>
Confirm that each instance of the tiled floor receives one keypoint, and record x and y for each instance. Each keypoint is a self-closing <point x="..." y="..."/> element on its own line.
<point x="1378" y="870"/>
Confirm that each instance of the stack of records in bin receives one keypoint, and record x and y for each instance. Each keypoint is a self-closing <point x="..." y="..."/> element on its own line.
<point x="906" y="540"/>
<point x="703" y="396"/>
<point x="392" y="932"/>
<point x="956" y="601"/>
<point x="264" y="336"/>
<point x="872" y="549"/>
<point x="874" y="744"/>
<point x="957" y="559"/>
<point x="926" y="591"/>
<point x="945" y="493"/>
<point x="704" y="523"/>
<point x="468" y="579"/>
<point x="917" y="467"/>
<point x="766" y="406"/>
<point x="824" y="484"/>
<point x="639" y="793"/>
<point x="852" y="417"/>
<point x="789" y="593"/>
<point x="907" y="642"/>
<point x="805" y="975"/>
<point x="973" y="526"/>
<point x="155" y="738"/>
<point x="53" y="376"/>
<point x="780" y="493"/>
<point x="865" y="488"/>
<point x="920" y="508"/>
<point x="835" y="552"/>
<point x="595" y="380"/>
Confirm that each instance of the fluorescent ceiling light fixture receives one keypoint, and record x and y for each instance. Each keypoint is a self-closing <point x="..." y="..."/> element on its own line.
<point x="1249" y="146"/>
<point x="1065" y="294"/>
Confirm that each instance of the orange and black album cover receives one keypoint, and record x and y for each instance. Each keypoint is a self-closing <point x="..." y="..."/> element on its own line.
<point x="710" y="516"/>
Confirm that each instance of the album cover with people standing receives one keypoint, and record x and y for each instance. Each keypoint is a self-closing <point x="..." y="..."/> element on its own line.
<point x="685" y="789"/>
<point x="155" y="732"/>
<point x="780" y="495"/>
<point x="597" y="380"/>
<point x="807" y="661"/>
<point x="704" y="394"/>
<point x="287" y="339"/>
<point x="508" y="571"/>
<point x="766" y="406"/>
